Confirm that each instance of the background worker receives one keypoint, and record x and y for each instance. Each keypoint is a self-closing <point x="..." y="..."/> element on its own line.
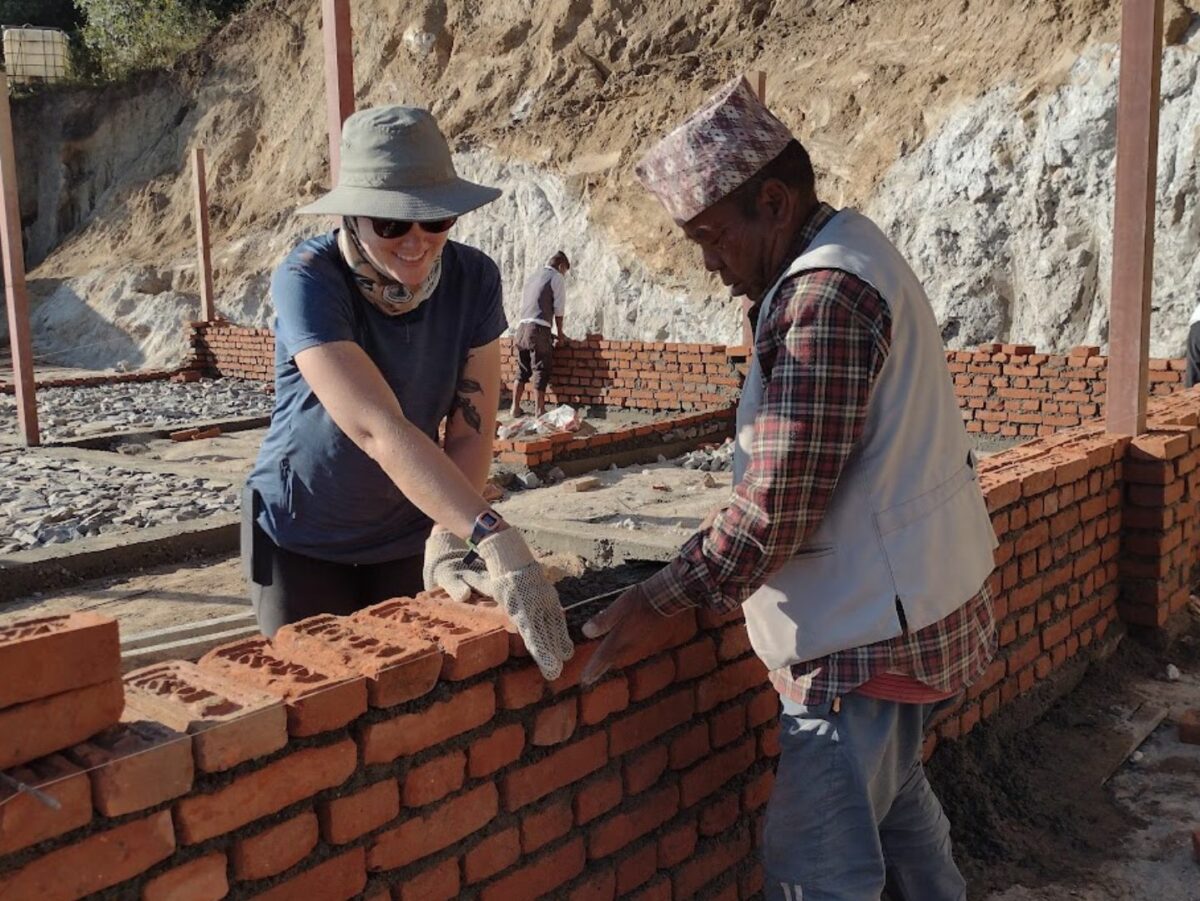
<point x="543" y="300"/>
<point x="384" y="330"/>
<point x="856" y="539"/>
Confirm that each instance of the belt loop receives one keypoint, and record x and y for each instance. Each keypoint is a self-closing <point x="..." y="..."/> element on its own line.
<point x="837" y="704"/>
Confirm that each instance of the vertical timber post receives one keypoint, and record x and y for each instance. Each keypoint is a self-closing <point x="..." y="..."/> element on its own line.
<point x="1133" y="216"/>
<point x="339" y="75"/>
<point x="16" y="296"/>
<point x="208" y="309"/>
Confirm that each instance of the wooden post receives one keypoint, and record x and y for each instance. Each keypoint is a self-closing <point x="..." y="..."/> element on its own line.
<point x="1133" y="216"/>
<point x="13" y="251"/>
<point x="339" y="75"/>
<point x="208" y="309"/>
<point x="758" y="80"/>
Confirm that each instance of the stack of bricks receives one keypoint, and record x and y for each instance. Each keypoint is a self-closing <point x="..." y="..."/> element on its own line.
<point x="1160" y="542"/>
<point x="60" y="682"/>
<point x="412" y="751"/>
<point x="1012" y="391"/>
<point x="234" y="351"/>
<point x="709" y="425"/>
<point x="641" y="375"/>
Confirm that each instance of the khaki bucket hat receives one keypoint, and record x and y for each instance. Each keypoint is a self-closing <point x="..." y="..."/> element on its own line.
<point x="395" y="164"/>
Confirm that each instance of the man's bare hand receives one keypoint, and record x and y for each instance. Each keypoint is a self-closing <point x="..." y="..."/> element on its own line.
<point x="633" y="630"/>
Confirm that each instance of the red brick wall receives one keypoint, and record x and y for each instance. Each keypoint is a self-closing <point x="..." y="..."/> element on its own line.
<point x="412" y="749"/>
<point x="641" y="375"/>
<point x="1012" y="391"/>
<point x="631" y="374"/>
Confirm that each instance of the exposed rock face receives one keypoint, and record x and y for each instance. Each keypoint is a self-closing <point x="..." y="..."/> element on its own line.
<point x="1006" y="212"/>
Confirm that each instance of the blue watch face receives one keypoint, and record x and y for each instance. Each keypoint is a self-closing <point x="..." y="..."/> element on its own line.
<point x="489" y="520"/>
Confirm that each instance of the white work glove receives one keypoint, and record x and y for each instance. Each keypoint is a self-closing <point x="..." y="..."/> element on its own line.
<point x="517" y="583"/>
<point x="444" y="566"/>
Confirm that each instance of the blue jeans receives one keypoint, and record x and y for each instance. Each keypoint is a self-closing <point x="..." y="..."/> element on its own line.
<point x="852" y="810"/>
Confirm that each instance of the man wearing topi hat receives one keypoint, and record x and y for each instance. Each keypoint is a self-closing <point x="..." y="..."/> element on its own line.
<point x="384" y="330"/>
<point x="856" y="538"/>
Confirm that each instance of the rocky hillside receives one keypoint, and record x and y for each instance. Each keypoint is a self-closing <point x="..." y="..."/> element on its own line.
<point x="979" y="132"/>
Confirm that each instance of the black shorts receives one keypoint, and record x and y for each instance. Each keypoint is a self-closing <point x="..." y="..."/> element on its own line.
<point x="535" y="354"/>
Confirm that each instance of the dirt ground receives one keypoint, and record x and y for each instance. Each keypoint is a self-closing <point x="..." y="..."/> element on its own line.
<point x="1031" y="819"/>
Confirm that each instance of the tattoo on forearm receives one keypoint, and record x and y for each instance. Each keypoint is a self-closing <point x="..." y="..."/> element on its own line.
<point x="463" y="403"/>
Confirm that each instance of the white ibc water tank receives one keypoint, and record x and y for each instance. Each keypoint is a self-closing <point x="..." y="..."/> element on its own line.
<point x="35" y="54"/>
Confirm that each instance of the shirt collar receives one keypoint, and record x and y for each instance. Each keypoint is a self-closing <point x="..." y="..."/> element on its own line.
<point x="812" y="226"/>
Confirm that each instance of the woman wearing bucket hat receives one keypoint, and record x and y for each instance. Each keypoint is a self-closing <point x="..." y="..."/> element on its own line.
<point x="384" y="329"/>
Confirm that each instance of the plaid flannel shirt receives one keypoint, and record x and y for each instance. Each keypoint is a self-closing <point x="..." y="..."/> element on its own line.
<point x="820" y="350"/>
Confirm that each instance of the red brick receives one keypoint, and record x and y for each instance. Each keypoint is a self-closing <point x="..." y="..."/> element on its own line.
<point x="202" y="879"/>
<point x="750" y="881"/>
<point x="1189" y="726"/>
<point x="554" y="724"/>
<point x="708" y="776"/>
<point x="399" y="665"/>
<point x="658" y="890"/>
<point x="734" y="642"/>
<point x="696" y="659"/>
<point x="596" y="886"/>
<point x="438" y="883"/>
<point x="541" y="827"/>
<point x="345" y="818"/>
<point x="709" y="862"/>
<point x="26" y="820"/>
<point x="597" y="797"/>
<point x="430" y="832"/>
<point x="473" y="637"/>
<point x="98" y="861"/>
<point x="636" y="868"/>
<point x="37" y="728"/>
<point x="497" y="750"/>
<point x="409" y="733"/>
<point x="33" y="653"/>
<point x="276" y="848"/>
<point x="758" y="790"/>
<point x="254" y="795"/>
<point x="556" y="770"/>
<point x="634" y="730"/>
<point x="229" y="723"/>
<point x="133" y="766"/>
<point x="435" y="779"/>
<point x="315" y="701"/>
<point x="690" y="746"/>
<point x="720" y="815"/>
<point x="611" y="696"/>
<point x="492" y="855"/>
<point x="763" y="708"/>
<point x="728" y="682"/>
<point x="728" y="725"/>
<point x="539" y="877"/>
<point x="676" y="845"/>
<point x="337" y="879"/>
<point x="652" y="677"/>
<point x="648" y="812"/>
<point x="643" y="770"/>
<point x="522" y="687"/>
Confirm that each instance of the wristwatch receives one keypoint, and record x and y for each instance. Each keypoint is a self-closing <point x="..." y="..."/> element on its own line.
<point x="486" y="523"/>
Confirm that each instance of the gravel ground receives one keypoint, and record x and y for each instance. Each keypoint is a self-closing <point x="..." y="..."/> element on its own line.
<point x="132" y="406"/>
<point x="51" y="501"/>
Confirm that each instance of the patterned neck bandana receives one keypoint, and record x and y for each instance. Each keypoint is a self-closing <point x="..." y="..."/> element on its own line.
<point x="387" y="295"/>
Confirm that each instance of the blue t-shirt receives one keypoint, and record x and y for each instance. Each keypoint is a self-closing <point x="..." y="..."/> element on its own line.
<point x="321" y="495"/>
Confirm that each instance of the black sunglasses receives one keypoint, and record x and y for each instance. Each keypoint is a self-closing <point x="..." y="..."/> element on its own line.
<point x="395" y="228"/>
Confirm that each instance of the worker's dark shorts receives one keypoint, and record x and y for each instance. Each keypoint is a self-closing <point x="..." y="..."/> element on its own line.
<point x="286" y="586"/>
<point x="535" y="354"/>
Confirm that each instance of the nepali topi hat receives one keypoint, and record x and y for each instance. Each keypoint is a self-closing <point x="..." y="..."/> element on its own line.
<point x="715" y="151"/>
